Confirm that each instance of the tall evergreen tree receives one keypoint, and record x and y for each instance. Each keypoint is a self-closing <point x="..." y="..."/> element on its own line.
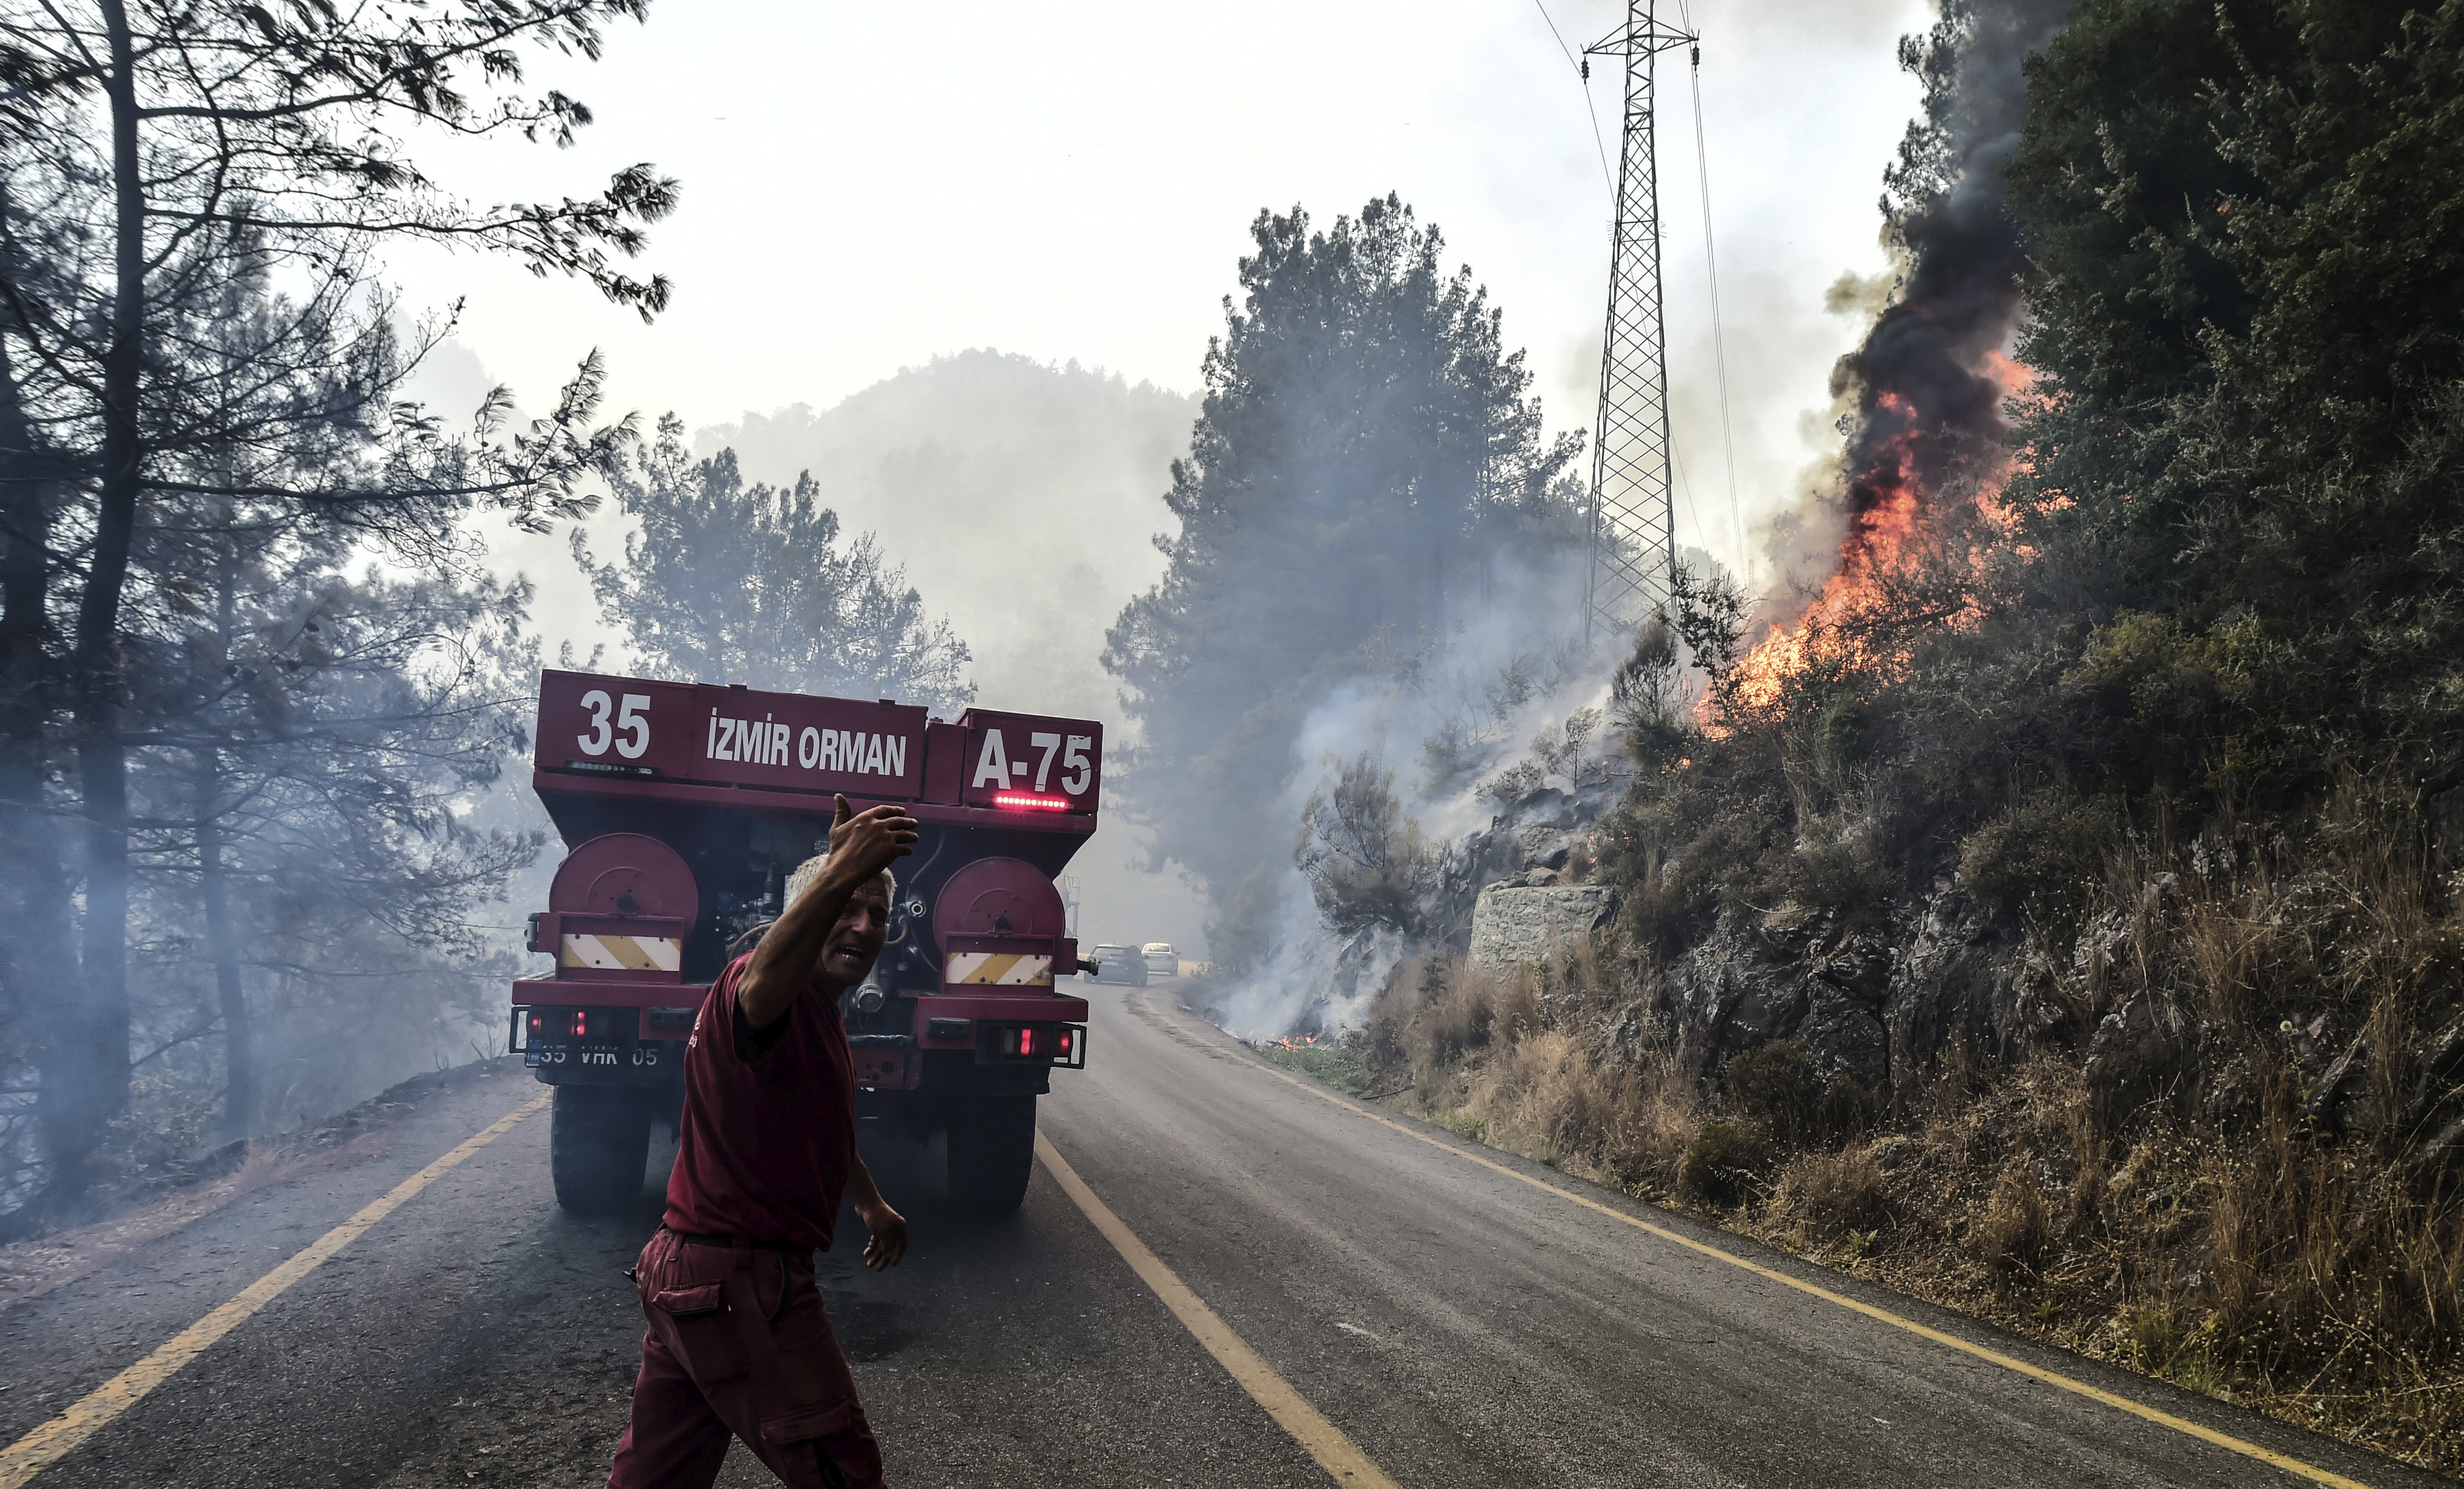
<point x="2249" y="341"/>
<point x="1368" y="462"/>
<point x="306" y="749"/>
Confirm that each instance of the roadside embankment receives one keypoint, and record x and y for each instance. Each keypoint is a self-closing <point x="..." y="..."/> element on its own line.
<point x="2254" y="1262"/>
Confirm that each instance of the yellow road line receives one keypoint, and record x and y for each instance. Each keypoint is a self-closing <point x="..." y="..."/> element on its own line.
<point x="55" y="1439"/>
<point x="1338" y="1455"/>
<point x="2210" y="1435"/>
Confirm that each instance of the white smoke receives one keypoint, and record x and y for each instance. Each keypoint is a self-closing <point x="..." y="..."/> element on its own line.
<point x="1513" y="668"/>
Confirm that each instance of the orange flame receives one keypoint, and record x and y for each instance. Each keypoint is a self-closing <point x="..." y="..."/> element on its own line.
<point x="1884" y="536"/>
<point x="2016" y="380"/>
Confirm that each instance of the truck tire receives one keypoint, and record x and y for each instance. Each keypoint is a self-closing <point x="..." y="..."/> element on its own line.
<point x="992" y="1150"/>
<point x="598" y="1145"/>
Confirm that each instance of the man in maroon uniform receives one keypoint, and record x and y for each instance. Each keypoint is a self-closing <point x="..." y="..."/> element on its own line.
<point x="738" y="1343"/>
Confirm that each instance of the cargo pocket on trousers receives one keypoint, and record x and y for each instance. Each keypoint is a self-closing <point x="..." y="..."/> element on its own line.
<point x="689" y="1303"/>
<point x="804" y="1424"/>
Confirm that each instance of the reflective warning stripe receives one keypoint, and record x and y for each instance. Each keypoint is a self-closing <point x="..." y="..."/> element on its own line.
<point x="621" y="953"/>
<point x="1000" y="969"/>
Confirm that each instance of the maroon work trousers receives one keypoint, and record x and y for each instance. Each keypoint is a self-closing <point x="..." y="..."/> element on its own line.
<point x="739" y="1346"/>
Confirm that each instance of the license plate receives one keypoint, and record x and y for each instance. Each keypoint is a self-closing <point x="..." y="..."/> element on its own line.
<point x="603" y="1057"/>
<point x="593" y="1056"/>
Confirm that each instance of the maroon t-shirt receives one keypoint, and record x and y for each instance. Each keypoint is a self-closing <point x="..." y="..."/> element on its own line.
<point x="768" y="1133"/>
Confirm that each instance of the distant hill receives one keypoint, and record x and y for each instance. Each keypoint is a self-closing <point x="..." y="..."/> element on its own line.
<point x="1021" y="497"/>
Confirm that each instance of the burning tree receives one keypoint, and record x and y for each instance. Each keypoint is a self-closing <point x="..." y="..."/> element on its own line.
<point x="2102" y="800"/>
<point x="1926" y="392"/>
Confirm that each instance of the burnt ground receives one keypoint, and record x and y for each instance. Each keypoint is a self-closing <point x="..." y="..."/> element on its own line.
<point x="1462" y="1327"/>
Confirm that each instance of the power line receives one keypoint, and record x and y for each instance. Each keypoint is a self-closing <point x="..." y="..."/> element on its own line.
<point x="1712" y="265"/>
<point x="1583" y="71"/>
<point x="1686" y="488"/>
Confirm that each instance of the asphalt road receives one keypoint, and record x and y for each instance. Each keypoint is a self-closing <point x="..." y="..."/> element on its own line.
<point x="1459" y="1325"/>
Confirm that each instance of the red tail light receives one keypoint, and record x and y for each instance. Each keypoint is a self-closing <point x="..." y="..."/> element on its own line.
<point x="1059" y="1043"/>
<point x="1029" y="801"/>
<point x="1040" y="1044"/>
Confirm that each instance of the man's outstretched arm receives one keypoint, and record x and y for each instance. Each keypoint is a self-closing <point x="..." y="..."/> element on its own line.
<point x="861" y="844"/>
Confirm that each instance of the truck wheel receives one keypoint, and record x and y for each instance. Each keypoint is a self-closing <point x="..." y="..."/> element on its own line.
<point x="598" y="1144"/>
<point x="992" y="1149"/>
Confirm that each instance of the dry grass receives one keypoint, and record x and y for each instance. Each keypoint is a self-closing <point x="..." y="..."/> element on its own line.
<point x="1516" y="1060"/>
<point x="1834" y="1197"/>
<point x="2317" y="1289"/>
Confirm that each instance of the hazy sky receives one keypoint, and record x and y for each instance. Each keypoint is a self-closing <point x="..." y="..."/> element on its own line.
<point x="868" y="185"/>
<point x="867" y="188"/>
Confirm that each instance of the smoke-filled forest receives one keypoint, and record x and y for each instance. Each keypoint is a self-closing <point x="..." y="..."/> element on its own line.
<point x="265" y="698"/>
<point x="2033" y="879"/>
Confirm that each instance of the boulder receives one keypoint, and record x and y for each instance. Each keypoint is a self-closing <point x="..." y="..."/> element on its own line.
<point x="1731" y="992"/>
<point x="1952" y="982"/>
<point x="1535" y="836"/>
<point x="1469" y="864"/>
<point x="1546" y="847"/>
<point x="1626" y="1037"/>
<point x="1550" y="807"/>
<point x="1513" y="924"/>
<point x="1845" y="1040"/>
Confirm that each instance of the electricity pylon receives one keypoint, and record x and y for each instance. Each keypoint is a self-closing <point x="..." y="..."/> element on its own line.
<point x="1634" y="506"/>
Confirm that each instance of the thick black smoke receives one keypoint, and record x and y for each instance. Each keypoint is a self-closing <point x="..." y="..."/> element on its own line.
<point x="1925" y="409"/>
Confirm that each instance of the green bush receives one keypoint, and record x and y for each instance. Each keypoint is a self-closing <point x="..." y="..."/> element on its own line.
<point x="1848" y="879"/>
<point x="1739" y="838"/>
<point x="1850" y="1110"/>
<point x="1842" y="737"/>
<point x="1723" y="1163"/>
<point x="1655" y="919"/>
<point x="2155" y="684"/>
<point x="2040" y="858"/>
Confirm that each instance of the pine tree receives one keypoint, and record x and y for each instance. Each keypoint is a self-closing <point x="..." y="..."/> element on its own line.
<point x="751" y="585"/>
<point x="161" y="164"/>
<point x="1367" y="462"/>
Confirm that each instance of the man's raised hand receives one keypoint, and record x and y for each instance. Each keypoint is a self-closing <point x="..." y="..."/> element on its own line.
<point x="870" y="841"/>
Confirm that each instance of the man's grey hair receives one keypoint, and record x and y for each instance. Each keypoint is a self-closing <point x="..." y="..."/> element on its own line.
<point x="811" y="869"/>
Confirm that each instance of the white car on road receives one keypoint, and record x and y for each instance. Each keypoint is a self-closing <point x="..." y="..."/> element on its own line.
<point x="1161" y="960"/>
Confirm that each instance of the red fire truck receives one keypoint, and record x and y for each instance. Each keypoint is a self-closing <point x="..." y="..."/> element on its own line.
<point x="684" y="808"/>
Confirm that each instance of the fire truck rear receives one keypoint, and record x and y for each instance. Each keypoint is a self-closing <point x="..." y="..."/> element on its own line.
<point x="684" y="808"/>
